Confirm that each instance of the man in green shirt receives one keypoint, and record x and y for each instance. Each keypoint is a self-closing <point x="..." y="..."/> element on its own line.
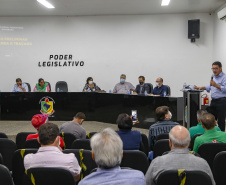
<point x="211" y="135"/>
<point x="199" y="129"/>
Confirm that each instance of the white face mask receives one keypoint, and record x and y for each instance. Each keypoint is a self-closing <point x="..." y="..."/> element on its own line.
<point x="170" y="114"/>
<point x="157" y="84"/>
<point x="90" y="82"/>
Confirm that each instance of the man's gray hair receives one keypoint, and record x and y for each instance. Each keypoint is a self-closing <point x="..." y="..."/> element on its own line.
<point x="107" y="148"/>
<point x="179" y="142"/>
<point x="123" y="75"/>
<point x="200" y="114"/>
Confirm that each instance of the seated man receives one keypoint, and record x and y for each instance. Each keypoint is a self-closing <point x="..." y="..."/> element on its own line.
<point x="75" y="126"/>
<point x="178" y="158"/>
<point x="131" y="138"/>
<point x="211" y="135"/>
<point x="199" y="129"/>
<point x="107" y="153"/>
<point x="142" y="86"/>
<point x="163" y="125"/>
<point x="160" y="89"/>
<point x="19" y="86"/>
<point x="123" y="87"/>
<point x="50" y="154"/>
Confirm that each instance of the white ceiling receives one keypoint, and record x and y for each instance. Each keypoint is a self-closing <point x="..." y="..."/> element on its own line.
<point x="106" y="7"/>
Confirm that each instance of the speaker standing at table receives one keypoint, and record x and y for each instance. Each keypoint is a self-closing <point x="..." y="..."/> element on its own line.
<point x="19" y="86"/>
<point x="218" y="93"/>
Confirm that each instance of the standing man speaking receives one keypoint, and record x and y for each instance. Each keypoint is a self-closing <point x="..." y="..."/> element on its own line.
<point x="218" y="94"/>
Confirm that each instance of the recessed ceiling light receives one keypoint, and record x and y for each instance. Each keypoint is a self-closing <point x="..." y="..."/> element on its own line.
<point x="46" y="3"/>
<point x="165" y="2"/>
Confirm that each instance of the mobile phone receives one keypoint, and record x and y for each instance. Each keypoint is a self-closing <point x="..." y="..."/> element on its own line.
<point x="134" y="115"/>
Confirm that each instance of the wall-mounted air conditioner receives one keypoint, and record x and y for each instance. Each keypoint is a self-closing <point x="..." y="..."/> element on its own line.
<point x="222" y="14"/>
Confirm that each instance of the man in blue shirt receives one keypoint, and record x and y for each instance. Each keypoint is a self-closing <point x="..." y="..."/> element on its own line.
<point x="218" y="94"/>
<point x="107" y="153"/>
<point x="19" y="86"/>
<point x="160" y="89"/>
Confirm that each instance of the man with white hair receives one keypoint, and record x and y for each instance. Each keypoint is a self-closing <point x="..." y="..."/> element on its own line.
<point x="107" y="153"/>
<point x="178" y="158"/>
<point x="123" y="87"/>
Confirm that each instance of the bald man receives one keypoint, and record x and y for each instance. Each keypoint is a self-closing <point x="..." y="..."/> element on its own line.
<point x="160" y="89"/>
<point x="178" y="158"/>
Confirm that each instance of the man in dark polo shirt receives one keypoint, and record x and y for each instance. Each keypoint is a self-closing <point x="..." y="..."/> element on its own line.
<point x="218" y="94"/>
<point x="75" y="126"/>
<point x="160" y="89"/>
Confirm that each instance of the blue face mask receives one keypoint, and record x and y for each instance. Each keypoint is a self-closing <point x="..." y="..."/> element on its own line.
<point x="122" y="80"/>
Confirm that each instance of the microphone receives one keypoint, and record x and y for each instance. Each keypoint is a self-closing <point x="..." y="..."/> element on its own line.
<point x="212" y="77"/>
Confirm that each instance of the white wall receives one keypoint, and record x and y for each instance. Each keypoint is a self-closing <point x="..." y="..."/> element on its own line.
<point x="149" y="45"/>
<point x="219" y="48"/>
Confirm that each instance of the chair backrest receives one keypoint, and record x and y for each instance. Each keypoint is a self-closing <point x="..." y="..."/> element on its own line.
<point x="145" y="143"/>
<point x="81" y="144"/>
<point x="89" y="135"/>
<point x="68" y="138"/>
<point x="5" y="176"/>
<point x="49" y="86"/>
<point x="151" y="87"/>
<point x="193" y="141"/>
<point x="62" y="85"/>
<point x="7" y="149"/>
<point x="160" y="147"/>
<point x="3" y="135"/>
<point x="135" y="159"/>
<point x="87" y="159"/>
<point x="168" y="90"/>
<point x="47" y="176"/>
<point x="18" y="170"/>
<point x="209" y="150"/>
<point x="162" y="136"/>
<point x="170" y="177"/>
<point x="32" y="143"/>
<point x="219" y="168"/>
<point x="29" y="86"/>
<point x="21" y="139"/>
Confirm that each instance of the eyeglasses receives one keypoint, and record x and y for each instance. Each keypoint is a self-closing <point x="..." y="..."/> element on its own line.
<point x="215" y="68"/>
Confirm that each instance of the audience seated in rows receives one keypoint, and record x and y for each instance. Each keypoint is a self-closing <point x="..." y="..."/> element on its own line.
<point x="50" y="154"/>
<point x="107" y="150"/>
<point x="178" y="158"/>
<point x="41" y="86"/>
<point x="75" y="126"/>
<point x="199" y="129"/>
<point x="123" y="87"/>
<point x="163" y="125"/>
<point x="211" y="135"/>
<point x="131" y="138"/>
<point x="38" y="120"/>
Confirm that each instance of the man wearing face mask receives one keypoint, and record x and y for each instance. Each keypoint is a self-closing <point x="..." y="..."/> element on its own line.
<point x="163" y="125"/>
<point x="160" y="89"/>
<point x="142" y="86"/>
<point x="123" y="87"/>
<point x="19" y="86"/>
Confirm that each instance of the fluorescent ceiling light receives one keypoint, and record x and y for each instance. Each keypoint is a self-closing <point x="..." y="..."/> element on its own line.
<point x="46" y="4"/>
<point x="165" y="2"/>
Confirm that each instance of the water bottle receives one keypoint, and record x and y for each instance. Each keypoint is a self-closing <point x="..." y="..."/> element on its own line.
<point x="128" y="92"/>
<point x="109" y="91"/>
<point x="58" y="90"/>
<point x="164" y="93"/>
<point x="185" y="85"/>
<point x="89" y="90"/>
<point x="145" y="93"/>
<point x="35" y="90"/>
